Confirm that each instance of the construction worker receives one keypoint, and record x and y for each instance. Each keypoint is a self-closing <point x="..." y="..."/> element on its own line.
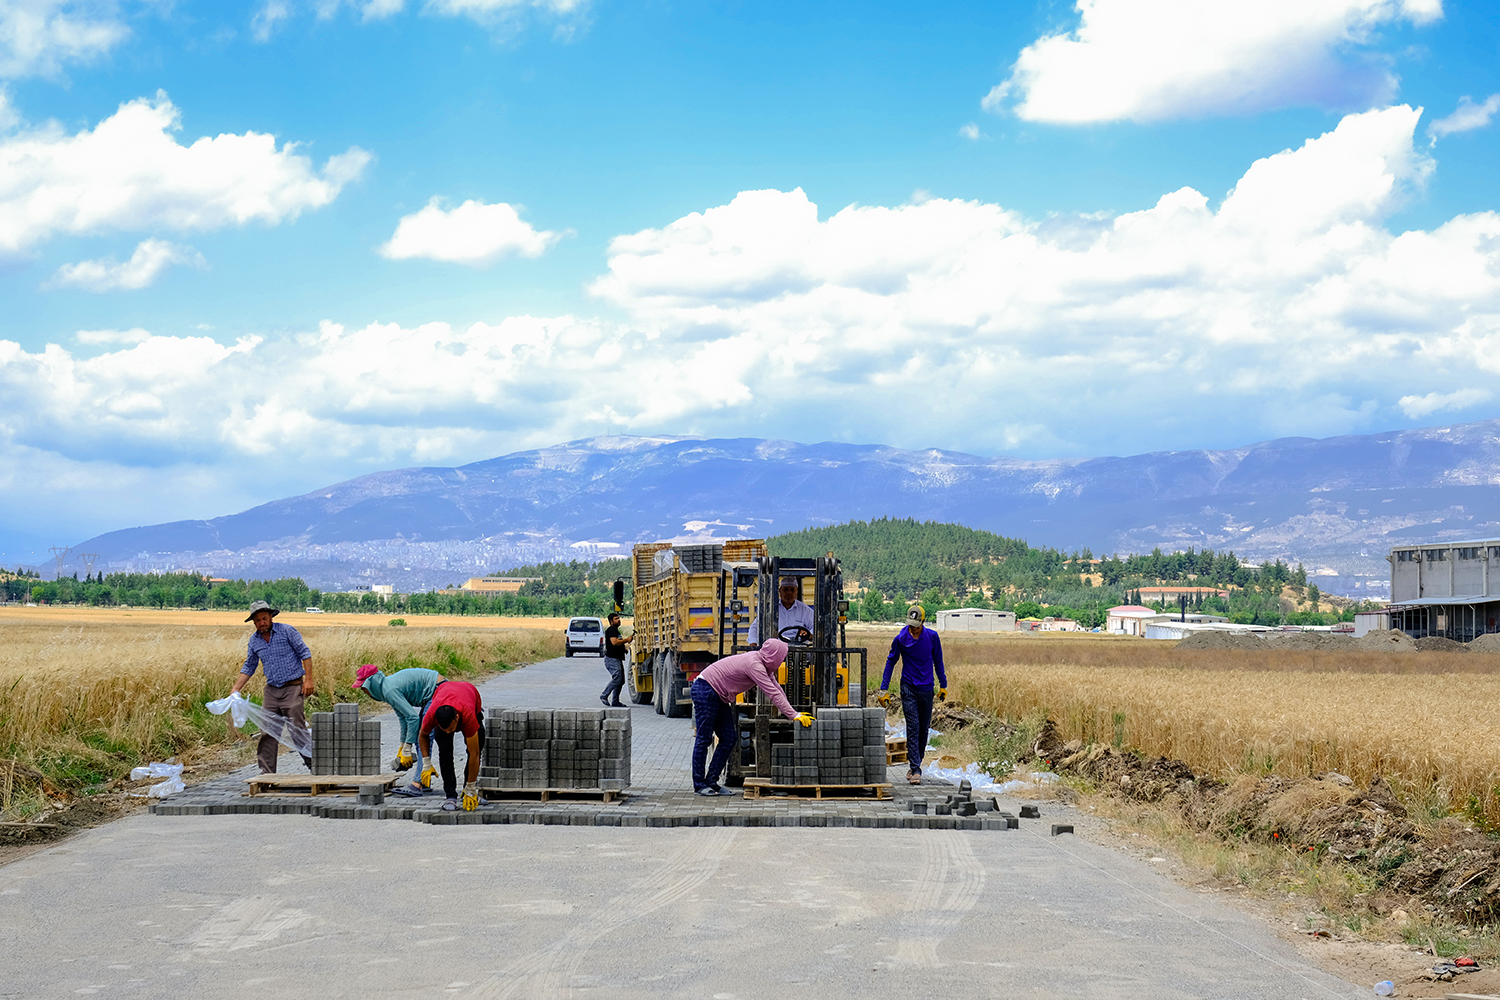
<point x="921" y="653"/>
<point x="714" y="714"/>
<point x="455" y="706"/>
<point x="789" y="612"/>
<point x="287" y="663"/>
<point x="409" y="692"/>
<point x="616" y="648"/>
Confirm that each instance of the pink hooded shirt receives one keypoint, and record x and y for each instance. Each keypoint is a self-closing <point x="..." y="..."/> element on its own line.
<point x="734" y="675"/>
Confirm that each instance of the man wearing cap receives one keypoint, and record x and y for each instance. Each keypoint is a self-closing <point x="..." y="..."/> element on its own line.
<point x="791" y="611"/>
<point x="278" y="649"/>
<point x="455" y="707"/>
<point x="921" y="653"/>
<point x="714" y="714"/>
<point x="408" y="692"/>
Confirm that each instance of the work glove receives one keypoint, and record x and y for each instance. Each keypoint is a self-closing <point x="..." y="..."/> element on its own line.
<point x="884" y="698"/>
<point x="942" y="694"/>
<point x="471" y="796"/>
<point x="427" y="773"/>
<point x="405" y="757"/>
<point x="804" y="718"/>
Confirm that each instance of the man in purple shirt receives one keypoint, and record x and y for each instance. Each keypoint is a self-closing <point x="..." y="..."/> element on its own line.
<point x="714" y="714"/>
<point x="287" y="662"/>
<point x="921" y="653"/>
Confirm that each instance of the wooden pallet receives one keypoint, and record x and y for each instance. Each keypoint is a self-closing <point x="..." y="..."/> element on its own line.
<point x="895" y="750"/>
<point x="547" y="794"/>
<point x="761" y="788"/>
<point x="316" y="784"/>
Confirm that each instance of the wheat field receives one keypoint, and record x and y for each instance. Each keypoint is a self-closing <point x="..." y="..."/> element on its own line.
<point x="81" y="704"/>
<point x="1430" y="722"/>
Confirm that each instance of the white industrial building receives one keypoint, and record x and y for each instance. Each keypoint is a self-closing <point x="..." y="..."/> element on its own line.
<point x="1449" y="589"/>
<point x="974" y="620"/>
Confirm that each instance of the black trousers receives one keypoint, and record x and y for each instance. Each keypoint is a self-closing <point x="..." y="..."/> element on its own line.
<point x="445" y="758"/>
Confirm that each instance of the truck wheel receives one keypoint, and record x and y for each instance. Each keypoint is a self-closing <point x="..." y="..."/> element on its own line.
<point x="671" y="689"/>
<point x="636" y="697"/>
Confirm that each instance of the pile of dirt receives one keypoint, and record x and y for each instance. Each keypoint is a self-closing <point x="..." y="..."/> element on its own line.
<point x="1448" y="865"/>
<point x="1488" y="643"/>
<point x="1390" y="640"/>
<point x="950" y="715"/>
<point x="1267" y="641"/>
<point x="1438" y="644"/>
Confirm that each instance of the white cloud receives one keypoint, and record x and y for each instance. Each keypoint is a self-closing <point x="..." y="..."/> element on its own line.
<point x="1417" y="407"/>
<point x="1466" y="117"/>
<point x="268" y="17"/>
<point x="272" y="14"/>
<point x="130" y="173"/>
<point x="473" y="233"/>
<point x="1147" y="60"/>
<point x="1286" y="307"/>
<point x="150" y="259"/>
<point x="969" y="131"/>
<point x="38" y="37"/>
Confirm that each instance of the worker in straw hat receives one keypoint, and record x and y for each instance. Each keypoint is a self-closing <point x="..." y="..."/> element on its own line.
<point x="921" y="654"/>
<point x="279" y="651"/>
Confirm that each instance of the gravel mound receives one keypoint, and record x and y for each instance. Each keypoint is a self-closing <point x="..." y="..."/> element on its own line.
<point x="1390" y="640"/>
<point x="1267" y="641"/>
<point x="1489" y="643"/>
<point x="1438" y="644"/>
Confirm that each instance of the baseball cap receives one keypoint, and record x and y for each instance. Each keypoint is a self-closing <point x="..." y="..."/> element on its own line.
<point x="915" y="615"/>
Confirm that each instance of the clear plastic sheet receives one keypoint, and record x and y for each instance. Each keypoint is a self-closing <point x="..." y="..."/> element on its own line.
<point x="242" y="710"/>
<point x="982" y="782"/>
<point x="171" y="771"/>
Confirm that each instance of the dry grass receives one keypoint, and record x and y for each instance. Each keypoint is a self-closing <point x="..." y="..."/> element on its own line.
<point x="80" y="705"/>
<point x="1430" y="722"/>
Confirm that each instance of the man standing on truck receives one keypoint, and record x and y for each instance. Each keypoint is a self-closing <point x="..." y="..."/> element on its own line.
<point x="791" y="611"/>
<point x="921" y="653"/>
<point x="615" y="648"/>
<point x="714" y="713"/>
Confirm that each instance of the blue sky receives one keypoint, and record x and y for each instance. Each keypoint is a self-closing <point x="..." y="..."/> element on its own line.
<point x="248" y="249"/>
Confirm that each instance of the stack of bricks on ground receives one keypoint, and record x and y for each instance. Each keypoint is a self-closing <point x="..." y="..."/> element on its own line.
<point x="553" y="748"/>
<point x="344" y="745"/>
<point x="843" y="746"/>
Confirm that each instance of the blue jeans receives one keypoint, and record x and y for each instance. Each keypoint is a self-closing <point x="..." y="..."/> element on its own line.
<point x="916" y="704"/>
<point x="711" y="717"/>
<point x="616" y="668"/>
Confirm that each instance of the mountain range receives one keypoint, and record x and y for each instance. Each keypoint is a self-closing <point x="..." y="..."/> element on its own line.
<point x="1335" y="504"/>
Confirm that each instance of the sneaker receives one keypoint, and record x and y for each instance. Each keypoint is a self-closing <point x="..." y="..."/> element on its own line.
<point x="450" y="805"/>
<point x="914" y="777"/>
<point x="604" y="701"/>
<point x="617" y="704"/>
<point x="706" y="790"/>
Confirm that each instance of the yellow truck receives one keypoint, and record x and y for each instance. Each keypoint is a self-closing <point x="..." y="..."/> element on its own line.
<point x="694" y="603"/>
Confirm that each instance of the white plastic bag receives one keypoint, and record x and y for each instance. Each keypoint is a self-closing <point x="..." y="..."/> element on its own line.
<point x="983" y="782"/>
<point x="279" y="727"/>
<point x="171" y="771"/>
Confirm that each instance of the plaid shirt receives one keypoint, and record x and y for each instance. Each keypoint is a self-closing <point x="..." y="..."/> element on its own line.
<point x="281" y="657"/>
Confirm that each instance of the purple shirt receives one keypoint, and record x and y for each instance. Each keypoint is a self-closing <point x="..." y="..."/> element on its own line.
<point x="281" y="655"/>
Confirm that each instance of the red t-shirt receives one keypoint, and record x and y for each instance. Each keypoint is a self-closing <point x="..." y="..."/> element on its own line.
<point x="461" y="695"/>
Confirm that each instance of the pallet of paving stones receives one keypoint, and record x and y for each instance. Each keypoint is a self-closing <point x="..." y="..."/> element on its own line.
<point x="316" y="784"/>
<point x="548" y="794"/>
<point x="762" y="788"/>
<point x="556" y="750"/>
<point x="843" y="747"/>
<point x="895" y="750"/>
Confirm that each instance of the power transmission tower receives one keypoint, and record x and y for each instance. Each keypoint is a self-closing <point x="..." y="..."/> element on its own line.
<point x="60" y="553"/>
<point x="87" y="558"/>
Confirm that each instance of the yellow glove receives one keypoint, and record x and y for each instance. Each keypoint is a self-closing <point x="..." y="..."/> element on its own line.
<point x="884" y="697"/>
<point x="804" y="718"/>
<point x="404" y="756"/>
<point x="942" y="694"/>
<point x="427" y="773"/>
<point x="471" y="796"/>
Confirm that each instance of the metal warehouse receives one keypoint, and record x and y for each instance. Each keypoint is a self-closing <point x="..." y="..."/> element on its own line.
<point x="1450" y="589"/>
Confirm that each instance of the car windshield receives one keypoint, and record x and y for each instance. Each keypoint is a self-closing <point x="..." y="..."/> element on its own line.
<point x="583" y="625"/>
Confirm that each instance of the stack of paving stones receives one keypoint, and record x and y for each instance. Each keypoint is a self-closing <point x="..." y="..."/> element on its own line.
<point x="700" y="558"/>
<point x="344" y="745"/>
<point x="963" y="804"/>
<point x="843" y="746"/>
<point x="554" y="748"/>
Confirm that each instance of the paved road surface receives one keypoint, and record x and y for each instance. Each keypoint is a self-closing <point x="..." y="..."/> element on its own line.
<point x="290" y="906"/>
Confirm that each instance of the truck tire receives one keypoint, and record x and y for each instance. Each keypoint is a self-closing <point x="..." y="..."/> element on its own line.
<point x="636" y="697"/>
<point x="672" y="689"/>
<point x="657" y="684"/>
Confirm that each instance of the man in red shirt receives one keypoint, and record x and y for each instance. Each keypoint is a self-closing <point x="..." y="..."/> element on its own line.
<point x="455" y="707"/>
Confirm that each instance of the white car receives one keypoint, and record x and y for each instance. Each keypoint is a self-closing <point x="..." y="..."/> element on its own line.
<point x="585" y="635"/>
